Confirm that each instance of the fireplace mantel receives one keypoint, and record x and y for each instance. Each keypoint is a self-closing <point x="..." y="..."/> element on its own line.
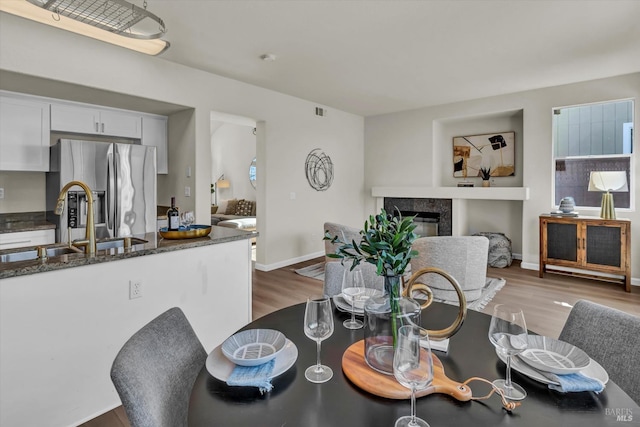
<point x="465" y="193"/>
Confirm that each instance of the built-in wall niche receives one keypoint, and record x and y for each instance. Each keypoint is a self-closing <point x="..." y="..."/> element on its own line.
<point x="444" y="130"/>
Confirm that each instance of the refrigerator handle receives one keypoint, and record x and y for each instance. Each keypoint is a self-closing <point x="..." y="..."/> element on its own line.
<point x="111" y="196"/>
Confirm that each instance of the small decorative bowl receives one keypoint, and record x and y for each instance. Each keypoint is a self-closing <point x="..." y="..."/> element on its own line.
<point x="254" y="346"/>
<point x="550" y="355"/>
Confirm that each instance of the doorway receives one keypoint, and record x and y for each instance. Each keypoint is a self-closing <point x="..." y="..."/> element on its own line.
<point x="233" y="168"/>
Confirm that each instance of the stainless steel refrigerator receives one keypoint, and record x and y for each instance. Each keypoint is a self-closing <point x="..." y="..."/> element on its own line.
<point x="122" y="178"/>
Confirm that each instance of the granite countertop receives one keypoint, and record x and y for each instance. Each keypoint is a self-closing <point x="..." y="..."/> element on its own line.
<point x="28" y="221"/>
<point x="155" y="244"/>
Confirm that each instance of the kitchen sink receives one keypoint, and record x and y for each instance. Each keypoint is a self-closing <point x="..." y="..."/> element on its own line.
<point x="117" y="243"/>
<point x="30" y="254"/>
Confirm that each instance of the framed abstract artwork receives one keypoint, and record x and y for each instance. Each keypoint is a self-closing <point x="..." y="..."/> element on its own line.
<point x="491" y="151"/>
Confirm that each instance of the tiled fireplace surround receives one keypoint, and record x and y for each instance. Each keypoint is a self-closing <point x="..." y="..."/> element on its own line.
<point x="443" y="207"/>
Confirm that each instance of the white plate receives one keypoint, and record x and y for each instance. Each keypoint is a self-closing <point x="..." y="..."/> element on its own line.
<point x="594" y="370"/>
<point x="342" y="305"/>
<point x="555" y="356"/>
<point x="361" y="299"/>
<point x="220" y="367"/>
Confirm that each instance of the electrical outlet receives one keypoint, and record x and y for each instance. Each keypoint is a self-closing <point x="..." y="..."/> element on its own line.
<point x="135" y="289"/>
<point x="1" y="193"/>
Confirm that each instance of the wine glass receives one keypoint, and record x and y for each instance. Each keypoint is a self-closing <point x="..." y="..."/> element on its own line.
<point x="353" y="287"/>
<point x="318" y="325"/>
<point x="508" y="333"/>
<point x="413" y="368"/>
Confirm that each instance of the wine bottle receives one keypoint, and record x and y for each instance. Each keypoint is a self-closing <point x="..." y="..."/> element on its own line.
<point x="173" y="216"/>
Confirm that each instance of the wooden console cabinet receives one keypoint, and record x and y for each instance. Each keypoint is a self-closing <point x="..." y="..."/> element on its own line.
<point x="586" y="243"/>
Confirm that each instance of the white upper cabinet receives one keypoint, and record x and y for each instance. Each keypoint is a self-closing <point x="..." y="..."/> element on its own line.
<point x="154" y="133"/>
<point x="24" y="133"/>
<point x="95" y="121"/>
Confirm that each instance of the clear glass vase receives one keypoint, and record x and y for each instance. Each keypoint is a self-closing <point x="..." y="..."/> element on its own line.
<point x="383" y="316"/>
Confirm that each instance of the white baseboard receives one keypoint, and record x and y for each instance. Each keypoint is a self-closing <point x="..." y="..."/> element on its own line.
<point x="291" y="261"/>
<point x="635" y="281"/>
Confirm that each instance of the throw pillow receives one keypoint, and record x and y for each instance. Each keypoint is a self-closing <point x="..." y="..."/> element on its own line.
<point x="232" y="205"/>
<point x="244" y="208"/>
<point x="253" y="209"/>
<point x="222" y="206"/>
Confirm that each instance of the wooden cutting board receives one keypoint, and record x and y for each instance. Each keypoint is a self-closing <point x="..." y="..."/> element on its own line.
<point x="359" y="373"/>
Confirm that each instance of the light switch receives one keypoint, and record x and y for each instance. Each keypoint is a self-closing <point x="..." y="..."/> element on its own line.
<point x="1" y="193"/>
<point x="292" y="196"/>
<point x="188" y="171"/>
<point x="187" y="191"/>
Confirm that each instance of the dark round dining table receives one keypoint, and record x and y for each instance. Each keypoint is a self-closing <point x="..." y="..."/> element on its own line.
<point x="296" y="402"/>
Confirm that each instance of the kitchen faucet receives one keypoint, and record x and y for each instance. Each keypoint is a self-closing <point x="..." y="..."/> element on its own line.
<point x="89" y="241"/>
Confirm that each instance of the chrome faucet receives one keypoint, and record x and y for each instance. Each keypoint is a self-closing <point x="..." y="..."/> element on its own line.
<point x="89" y="241"/>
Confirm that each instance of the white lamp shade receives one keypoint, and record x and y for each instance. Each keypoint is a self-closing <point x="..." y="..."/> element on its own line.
<point x="608" y="181"/>
<point x="223" y="183"/>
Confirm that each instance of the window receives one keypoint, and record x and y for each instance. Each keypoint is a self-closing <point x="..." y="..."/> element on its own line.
<point x="594" y="137"/>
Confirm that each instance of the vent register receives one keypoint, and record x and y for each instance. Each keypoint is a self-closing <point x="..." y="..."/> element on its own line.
<point x="116" y="16"/>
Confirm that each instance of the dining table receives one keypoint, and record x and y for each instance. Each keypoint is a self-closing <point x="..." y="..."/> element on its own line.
<point x="296" y="402"/>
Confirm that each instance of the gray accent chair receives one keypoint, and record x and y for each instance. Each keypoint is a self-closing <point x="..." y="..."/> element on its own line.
<point x="155" y="370"/>
<point x="334" y="272"/>
<point x="609" y="336"/>
<point x="464" y="258"/>
<point x="343" y="232"/>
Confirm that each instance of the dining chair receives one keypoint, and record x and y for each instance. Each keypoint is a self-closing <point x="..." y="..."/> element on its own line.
<point x="334" y="273"/>
<point x="610" y="337"/>
<point x="343" y="232"/>
<point x="155" y="370"/>
<point x="463" y="257"/>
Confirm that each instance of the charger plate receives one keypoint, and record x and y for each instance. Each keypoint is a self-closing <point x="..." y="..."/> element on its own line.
<point x="360" y="374"/>
<point x="221" y="368"/>
<point x="594" y="370"/>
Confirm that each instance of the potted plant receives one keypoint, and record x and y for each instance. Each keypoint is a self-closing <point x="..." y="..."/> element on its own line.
<point x="485" y="174"/>
<point x="386" y="243"/>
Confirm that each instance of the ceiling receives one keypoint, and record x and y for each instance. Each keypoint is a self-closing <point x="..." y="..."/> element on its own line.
<point x="376" y="57"/>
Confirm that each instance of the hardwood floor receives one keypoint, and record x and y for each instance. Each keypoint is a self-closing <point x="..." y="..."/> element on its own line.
<point x="546" y="302"/>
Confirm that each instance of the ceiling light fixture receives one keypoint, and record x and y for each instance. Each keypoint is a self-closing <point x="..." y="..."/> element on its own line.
<point x="113" y="21"/>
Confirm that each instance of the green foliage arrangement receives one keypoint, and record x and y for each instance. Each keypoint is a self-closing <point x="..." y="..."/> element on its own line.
<point x="485" y="173"/>
<point x="386" y="243"/>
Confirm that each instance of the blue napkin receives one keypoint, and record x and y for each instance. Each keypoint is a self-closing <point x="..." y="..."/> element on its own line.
<point x="575" y="382"/>
<point x="253" y="376"/>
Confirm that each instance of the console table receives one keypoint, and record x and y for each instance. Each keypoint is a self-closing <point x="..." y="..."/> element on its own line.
<point x="586" y="243"/>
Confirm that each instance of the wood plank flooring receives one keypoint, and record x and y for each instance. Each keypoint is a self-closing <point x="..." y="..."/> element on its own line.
<point x="546" y="302"/>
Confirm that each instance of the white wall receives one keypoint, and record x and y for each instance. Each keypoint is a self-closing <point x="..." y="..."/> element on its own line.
<point x="289" y="229"/>
<point x="412" y="148"/>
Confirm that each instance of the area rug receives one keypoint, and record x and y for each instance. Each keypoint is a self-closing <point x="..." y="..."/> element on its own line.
<point x="490" y="289"/>
<point x="315" y="271"/>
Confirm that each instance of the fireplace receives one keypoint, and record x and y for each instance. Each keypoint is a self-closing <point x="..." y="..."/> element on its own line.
<point x="433" y="216"/>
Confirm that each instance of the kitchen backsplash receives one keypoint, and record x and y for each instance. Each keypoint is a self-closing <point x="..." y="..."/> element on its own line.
<point x="23" y="192"/>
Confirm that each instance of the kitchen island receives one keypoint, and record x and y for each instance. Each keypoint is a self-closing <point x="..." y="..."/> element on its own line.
<point x="62" y="321"/>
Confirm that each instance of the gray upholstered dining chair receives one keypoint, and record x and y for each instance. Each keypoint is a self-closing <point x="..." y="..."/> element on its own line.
<point x="463" y="257"/>
<point x="334" y="272"/>
<point x="343" y="232"/>
<point x="609" y="336"/>
<point x="155" y="370"/>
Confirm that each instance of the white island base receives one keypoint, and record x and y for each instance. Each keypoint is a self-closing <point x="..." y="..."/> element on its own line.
<point x="61" y="330"/>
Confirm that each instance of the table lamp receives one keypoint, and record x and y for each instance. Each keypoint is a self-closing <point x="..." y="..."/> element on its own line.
<point x="608" y="181"/>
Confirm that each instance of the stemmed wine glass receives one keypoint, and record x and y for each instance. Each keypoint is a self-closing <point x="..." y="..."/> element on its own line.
<point x="353" y="287"/>
<point x="318" y="325"/>
<point x="413" y="368"/>
<point x="508" y="333"/>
